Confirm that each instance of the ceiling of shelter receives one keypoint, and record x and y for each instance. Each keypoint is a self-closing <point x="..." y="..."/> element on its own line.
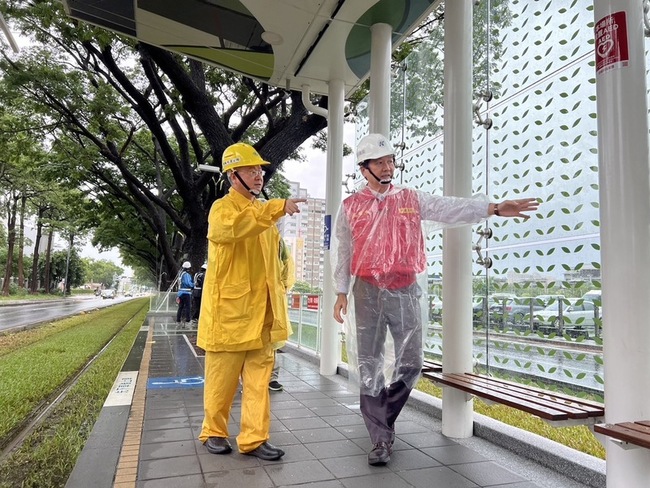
<point x="288" y="43"/>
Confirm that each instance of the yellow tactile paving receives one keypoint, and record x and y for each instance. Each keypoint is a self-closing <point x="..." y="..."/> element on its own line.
<point x="126" y="473"/>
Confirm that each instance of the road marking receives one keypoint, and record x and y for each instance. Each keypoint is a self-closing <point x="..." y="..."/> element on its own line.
<point x="122" y="390"/>
<point x="176" y="382"/>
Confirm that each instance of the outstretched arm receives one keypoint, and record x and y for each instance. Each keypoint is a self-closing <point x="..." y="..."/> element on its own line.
<point x="514" y="208"/>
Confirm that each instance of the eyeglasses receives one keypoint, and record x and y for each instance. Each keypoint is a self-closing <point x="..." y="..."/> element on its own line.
<point x="253" y="172"/>
<point x="381" y="162"/>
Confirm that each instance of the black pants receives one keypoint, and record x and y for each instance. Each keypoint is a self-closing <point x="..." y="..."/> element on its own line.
<point x="183" y="308"/>
<point x="376" y="312"/>
<point x="196" y="306"/>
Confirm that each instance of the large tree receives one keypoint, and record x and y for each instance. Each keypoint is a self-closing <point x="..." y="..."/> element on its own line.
<point x="130" y="123"/>
<point x="100" y="271"/>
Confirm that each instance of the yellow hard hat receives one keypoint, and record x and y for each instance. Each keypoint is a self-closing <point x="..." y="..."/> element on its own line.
<point x="239" y="155"/>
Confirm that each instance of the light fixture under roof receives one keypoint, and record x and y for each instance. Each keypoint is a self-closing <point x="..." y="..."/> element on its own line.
<point x="272" y="38"/>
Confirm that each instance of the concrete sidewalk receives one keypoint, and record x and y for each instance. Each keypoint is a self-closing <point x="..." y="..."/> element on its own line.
<point x="151" y="442"/>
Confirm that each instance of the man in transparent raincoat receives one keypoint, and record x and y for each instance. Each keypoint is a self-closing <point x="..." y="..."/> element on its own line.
<point x="244" y="306"/>
<point x="379" y="255"/>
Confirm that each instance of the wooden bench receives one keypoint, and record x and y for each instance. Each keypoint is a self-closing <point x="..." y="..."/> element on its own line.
<point x="429" y="366"/>
<point x="628" y="435"/>
<point x="557" y="408"/>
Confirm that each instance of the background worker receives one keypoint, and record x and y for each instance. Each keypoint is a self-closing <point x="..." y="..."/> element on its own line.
<point x="379" y="256"/>
<point x="274" y="384"/>
<point x="197" y="292"/>
<point x="183" y="297"/>
<point x="288" y="277"/>
<point x="244" y="310"/>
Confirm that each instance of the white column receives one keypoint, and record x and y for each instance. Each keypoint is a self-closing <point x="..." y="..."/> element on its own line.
<point x="330" y="343"/>
<point x="624" y="173"/>
<point x="380" y="55"/>
<point x="457" y="411"/>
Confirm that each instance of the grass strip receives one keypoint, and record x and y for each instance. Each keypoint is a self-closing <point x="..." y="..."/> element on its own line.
<point x="12" y="341"/>
<point x="48" y="455"/>
<point x="31" y="374"/>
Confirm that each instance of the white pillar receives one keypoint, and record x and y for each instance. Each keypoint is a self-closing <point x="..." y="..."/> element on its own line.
<point x="624" y="173"/>
<point x="380" y="56"/>
<point x="457" y="411"/>
<point x="330" y="343"/>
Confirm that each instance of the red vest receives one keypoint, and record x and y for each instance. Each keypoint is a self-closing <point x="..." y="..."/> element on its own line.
<point x="387" y="240"/>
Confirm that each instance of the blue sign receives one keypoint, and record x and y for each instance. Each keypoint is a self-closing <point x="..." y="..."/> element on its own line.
<point x="175" y="382"/>
<point x="327" y="232"/>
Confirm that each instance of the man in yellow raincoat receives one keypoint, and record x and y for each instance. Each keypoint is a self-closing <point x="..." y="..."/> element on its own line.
<point x="244" y="310"/>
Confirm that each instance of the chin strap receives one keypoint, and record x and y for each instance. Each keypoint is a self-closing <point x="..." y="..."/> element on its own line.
<point x="255" y="193"/>
<point x="383" y="182"/>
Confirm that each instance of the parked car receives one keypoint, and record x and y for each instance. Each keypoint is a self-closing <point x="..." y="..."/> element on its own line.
<point x="546" y="300"/>
<point x="509" y="311"/>
<point x="109" y="293"/>
<point x="503" y="309"/>
<point x="593" y="296"/>
<point x="435" y="308"/>
<point x="579" y="314"/>
<point x="480" y="305"/>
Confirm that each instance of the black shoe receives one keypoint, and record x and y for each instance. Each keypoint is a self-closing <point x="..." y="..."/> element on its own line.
<point x="275" y="386"/>
<point x="266" y="451"/>
<point x="380" y="454"/>
<point x="218" y="445"/>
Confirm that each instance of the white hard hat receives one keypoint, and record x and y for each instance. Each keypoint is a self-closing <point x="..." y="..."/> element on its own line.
<point x="187" y="264"/>
<point x="373" y="146"/>
<point x="204" y="266"/>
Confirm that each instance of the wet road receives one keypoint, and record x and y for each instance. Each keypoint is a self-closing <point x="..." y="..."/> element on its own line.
<point x="27" y="314"/>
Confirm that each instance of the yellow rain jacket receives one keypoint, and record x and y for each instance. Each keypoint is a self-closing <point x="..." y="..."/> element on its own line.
<point x="244" y="271"/>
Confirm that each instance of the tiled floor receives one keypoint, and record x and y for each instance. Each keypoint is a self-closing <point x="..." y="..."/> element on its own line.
<point x="316" y="421"/>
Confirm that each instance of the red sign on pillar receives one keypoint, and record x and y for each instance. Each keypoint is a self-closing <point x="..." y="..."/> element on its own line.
<point x="312" y="302"/>
<point x="612" y="50"/>
<point x="295" y="301"/>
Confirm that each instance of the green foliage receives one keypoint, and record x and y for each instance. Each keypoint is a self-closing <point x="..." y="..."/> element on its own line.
<point x="418" y="88"/>
<point x="304" y="287"/>
<point x="58" y="265"/>
<point x="101" y="271"/>
<point x="278" y="186"/>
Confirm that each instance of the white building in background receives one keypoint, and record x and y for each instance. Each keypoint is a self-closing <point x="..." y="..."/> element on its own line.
<point x="303" y="234"/>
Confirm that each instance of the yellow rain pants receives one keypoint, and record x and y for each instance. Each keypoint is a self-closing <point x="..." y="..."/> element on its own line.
<point x="222" y="373"/>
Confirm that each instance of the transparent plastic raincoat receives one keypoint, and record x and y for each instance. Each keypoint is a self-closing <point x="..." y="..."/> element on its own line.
<point x="379" y="260"/>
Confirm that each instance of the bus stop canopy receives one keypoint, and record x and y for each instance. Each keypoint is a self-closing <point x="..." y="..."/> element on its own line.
<point x="286" y="43"/>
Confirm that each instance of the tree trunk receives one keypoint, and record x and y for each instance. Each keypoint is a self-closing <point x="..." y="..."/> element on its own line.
<point x="33" y="286"/>
<point x="48" y="263"/>
<point x="21" y="243"/>
<point x="11" y="241"/>
<point x="66" y="290"/>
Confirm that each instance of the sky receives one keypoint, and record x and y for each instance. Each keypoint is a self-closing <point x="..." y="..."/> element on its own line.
<point x="113" y="255"/>
<point x="312" y="173"/>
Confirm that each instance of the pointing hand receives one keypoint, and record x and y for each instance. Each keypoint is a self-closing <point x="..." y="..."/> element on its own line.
<point x="291" y="205"/>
